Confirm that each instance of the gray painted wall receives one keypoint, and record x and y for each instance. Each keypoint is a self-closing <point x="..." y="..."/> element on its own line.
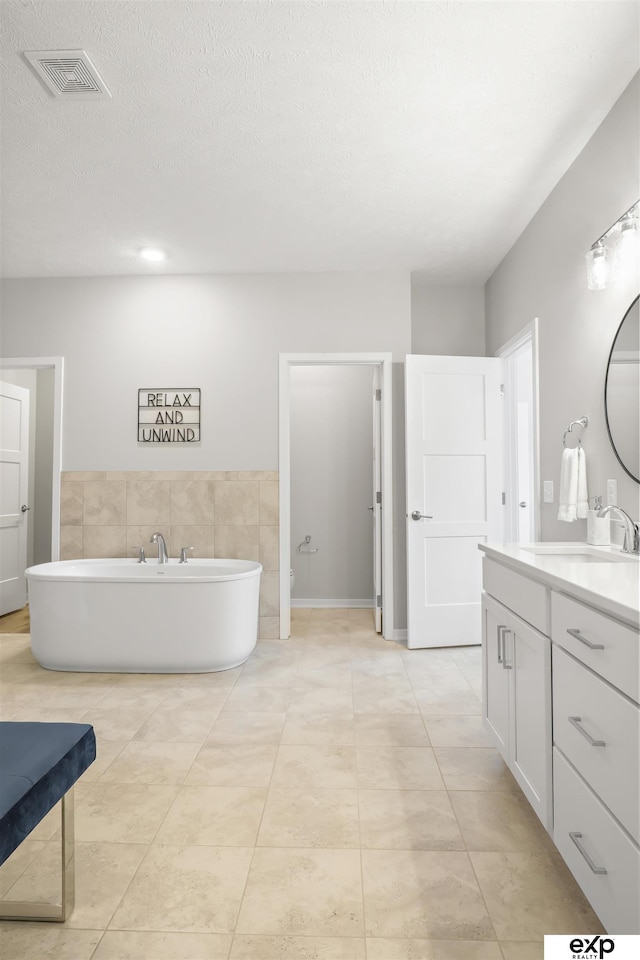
<point x="222" y="334"/>
<point x="447" y="320"/>
<point x="544" y="276"/>
<point x="331" y="481"/>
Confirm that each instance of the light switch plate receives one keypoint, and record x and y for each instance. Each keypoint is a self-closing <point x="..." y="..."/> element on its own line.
<point x="612" y="493"/>
<point x="548" y="491"/>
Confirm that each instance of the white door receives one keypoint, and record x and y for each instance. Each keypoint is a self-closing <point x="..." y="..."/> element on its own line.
<point x="454" y="493"/>
<point x="377" y="500"/>
<point x="14" y="467"/>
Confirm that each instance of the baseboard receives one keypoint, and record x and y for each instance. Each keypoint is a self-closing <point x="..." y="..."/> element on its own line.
<point x="400" y="636"/>
<point x="321" y="604"/>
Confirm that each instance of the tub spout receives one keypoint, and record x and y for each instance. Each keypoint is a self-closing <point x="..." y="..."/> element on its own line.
<point x="162" y="547"/>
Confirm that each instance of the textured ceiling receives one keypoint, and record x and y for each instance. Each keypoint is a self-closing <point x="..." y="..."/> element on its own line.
<point x="296" y="136"/>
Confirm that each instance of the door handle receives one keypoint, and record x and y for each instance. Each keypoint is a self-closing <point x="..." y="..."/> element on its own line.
<point x="522" y="503"/>
<point x="416" y="515"/>
<point x="371" y="508"/>
<point x="501" y="629"/>
<point x="24" y="508"/>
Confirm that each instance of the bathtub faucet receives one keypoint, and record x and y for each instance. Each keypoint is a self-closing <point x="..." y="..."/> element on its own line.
<point x="162" y="547"/>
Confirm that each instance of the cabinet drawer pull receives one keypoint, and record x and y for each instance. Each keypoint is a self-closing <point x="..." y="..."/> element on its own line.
<point x="575" y="721"/>
<point x="587" y="643"/>
<point x="577" y="837"/>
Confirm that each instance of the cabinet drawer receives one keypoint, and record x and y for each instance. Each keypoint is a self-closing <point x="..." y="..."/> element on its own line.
<point x="527" y="598"/>
<point x="614" y="895"/>
<point x="609" y="647"/>
<point x="605" y="716"/>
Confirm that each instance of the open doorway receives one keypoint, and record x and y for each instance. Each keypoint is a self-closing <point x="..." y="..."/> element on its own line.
<point x="522" y="483"/>
<point x="30" y="528"/>
<point x="315" y="392"/>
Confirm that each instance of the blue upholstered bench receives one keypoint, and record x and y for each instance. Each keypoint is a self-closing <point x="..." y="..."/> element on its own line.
<point x="39" y="765"/>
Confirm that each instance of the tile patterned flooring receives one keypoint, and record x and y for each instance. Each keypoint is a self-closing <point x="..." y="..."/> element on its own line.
<point x="334" y="798"/>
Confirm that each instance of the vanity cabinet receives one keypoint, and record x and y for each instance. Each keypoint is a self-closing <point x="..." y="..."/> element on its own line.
<point x="561" y="703"/>
<point x="596" y="758"/>
<point x="517" y="700"/>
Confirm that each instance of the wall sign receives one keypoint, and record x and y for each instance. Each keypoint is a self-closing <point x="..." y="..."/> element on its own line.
<point x="168" y="415"/>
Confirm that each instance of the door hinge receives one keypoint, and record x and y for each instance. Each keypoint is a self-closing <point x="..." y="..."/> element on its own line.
<point x="504" y="499"/>
<point x="379" y="600"/>
<point x="378" y="497"/>
<point x="502" y="389"/>
<point x="378" y="394"/>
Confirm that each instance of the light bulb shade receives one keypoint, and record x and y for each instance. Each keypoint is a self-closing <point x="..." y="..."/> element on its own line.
<point x="626" y="246"/>
<point x="598" y="267"/>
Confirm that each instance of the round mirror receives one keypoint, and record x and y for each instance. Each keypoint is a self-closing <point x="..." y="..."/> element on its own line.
<point x="622" y="393"/>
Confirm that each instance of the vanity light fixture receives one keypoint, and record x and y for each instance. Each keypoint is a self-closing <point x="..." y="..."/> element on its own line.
<point x="152" y="254"/>
<point x="597" y="266"/>
<point x="613" y="252"/>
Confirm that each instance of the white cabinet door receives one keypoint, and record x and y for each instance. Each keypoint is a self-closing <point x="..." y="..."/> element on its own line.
<point x="495" y="678"/>
<point x="516" y="701"/>
<point x="528" y="656"/>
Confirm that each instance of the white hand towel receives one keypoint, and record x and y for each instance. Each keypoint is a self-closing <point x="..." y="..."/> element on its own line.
<point x="582" y="505"/>
<point x="568" y="499"/>
<point x="574" y="496"/>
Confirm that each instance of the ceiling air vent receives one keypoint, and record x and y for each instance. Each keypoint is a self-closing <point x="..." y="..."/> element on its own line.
<point x="69" y="74"/>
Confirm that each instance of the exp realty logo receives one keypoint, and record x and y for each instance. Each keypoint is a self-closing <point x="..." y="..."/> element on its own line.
<point x="586" y="949"/>
<point x="598" y="947"/>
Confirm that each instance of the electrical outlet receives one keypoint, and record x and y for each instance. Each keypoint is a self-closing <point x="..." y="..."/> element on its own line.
<point x="612" y="493"/>
<point x="548" y="491"/>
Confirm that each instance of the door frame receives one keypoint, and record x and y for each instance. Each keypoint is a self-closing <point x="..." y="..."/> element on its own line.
<point x="57" y="364"/>
<point x="384" y="363"/>
<point x="528" y="334"/>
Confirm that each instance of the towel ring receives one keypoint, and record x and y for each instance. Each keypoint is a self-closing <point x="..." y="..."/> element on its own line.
<point x="581" y="422"/>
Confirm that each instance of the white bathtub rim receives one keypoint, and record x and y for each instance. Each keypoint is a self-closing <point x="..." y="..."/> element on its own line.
<point x="127" y="570"/>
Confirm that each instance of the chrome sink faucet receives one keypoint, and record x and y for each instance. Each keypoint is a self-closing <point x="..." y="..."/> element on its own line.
<point x="631" y="543"/>
<point x="162" y="547"/>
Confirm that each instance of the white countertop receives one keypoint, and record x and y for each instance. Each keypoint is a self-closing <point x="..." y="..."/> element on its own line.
<point x="611" y="586"/>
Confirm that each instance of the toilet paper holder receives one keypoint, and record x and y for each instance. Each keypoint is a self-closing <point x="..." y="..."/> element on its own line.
<point x="305" y="543"/>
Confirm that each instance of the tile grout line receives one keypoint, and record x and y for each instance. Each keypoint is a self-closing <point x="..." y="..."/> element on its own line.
<point x="234" y="932"/>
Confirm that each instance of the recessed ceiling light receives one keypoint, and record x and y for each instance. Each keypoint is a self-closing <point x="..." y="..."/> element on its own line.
<point x="152" y="254"/>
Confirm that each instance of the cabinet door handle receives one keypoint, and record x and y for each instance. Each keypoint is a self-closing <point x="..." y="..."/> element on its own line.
<point x="587" y="643"/>
<point x="577" y="837"/>
<point x="575" y="721"/>
<point x="501" y="629"/>
<point x="505" y="665"/>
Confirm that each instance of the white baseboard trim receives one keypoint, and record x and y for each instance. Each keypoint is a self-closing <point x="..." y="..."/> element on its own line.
<point x="321" y="604"/>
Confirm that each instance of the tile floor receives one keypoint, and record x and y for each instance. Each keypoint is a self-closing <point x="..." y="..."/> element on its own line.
<point x="334" y="798"/>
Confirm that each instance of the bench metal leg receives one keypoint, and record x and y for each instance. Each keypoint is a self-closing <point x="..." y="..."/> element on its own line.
<point x="25" y="910"/>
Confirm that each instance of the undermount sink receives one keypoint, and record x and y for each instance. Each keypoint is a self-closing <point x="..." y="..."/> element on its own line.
<point x="581" y="553"/>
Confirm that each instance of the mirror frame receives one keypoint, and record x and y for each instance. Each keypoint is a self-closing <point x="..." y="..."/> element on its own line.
<point x="606" y="380"/>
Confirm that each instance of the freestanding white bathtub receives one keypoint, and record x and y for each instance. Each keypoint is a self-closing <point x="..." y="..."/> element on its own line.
<point x="120" y="616"/>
